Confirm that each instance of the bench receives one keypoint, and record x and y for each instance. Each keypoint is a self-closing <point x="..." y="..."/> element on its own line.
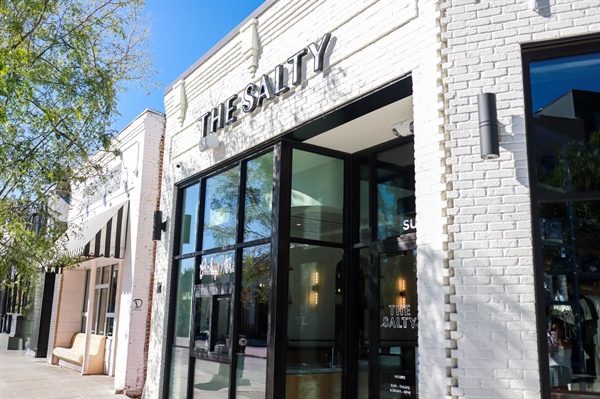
<point x="74" y="354"/>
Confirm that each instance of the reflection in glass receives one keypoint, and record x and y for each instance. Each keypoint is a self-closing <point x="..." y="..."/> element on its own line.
<point x="211" y="380"/>
<point x="571" y="256"/>
<point x="363" y="188"/>
<point x="202" y="323"/>
<point x="363" y="323"/>
<point x="183" y="305"/>
<point x="396" y="192"/>
<point x="178" y="373"/>
<point x="317" y="196"/>
<point x="565" y="95"/>
<point x="113" y="289"/>
<point x="189" y="219"/>
<point x="220" y="209"/>
<point x="398" y="326"/>
<point x="258" y="198"/>
<point x="566" y="123"/>
<point x="314" y="353"/>
<point x="100" y="316"/>
<point x="217" y="268"/>
<point x="253" y="323"/>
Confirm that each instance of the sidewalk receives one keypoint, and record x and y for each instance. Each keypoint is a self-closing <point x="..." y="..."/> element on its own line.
<point x="27" y="377"/>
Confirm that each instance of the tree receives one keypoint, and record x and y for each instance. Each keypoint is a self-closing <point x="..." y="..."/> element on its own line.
<point x="62" y="65"/>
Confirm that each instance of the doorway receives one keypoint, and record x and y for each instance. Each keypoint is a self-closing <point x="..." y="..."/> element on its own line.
<point x="385" y="260"/>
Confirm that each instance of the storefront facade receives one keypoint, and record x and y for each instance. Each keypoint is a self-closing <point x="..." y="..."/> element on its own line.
<point x="331" y="228"/>
<point x="105" y="297"/>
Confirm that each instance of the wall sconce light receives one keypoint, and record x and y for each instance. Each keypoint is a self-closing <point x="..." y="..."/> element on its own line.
<point x="159" y="226"/>
<point x="533" y="5"/>
<point x="209" y="142"/>
<point x="401" y="292"/>
<point x="489" y="134"/>
<point x="315" y="290"/>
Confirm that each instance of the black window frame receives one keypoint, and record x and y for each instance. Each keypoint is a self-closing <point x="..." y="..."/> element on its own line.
<point x="532" y="52"/>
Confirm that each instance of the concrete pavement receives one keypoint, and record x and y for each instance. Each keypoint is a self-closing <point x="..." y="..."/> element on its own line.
<point x="27" y="377"/>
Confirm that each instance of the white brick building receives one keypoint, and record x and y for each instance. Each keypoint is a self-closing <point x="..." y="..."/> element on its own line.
<point x="323" y="180"/>
<point x="106" y="296"/>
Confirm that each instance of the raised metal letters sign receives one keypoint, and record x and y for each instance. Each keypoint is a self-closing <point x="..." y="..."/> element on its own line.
<point x="254" y="95"/>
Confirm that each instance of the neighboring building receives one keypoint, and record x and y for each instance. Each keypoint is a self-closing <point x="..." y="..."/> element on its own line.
<point x="110" y="228"/>
<point x="332" y="230"/>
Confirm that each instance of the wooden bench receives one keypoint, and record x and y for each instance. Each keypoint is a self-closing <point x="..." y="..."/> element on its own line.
<point x="74" y="354"/>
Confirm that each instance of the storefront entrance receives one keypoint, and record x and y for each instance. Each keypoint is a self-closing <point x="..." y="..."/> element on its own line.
<point x="296" y="273"/>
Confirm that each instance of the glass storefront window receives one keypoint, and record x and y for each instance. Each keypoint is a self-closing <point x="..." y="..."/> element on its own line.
<point x="184" y="300"/>
<point x="178" y="382"/>
<point x="398" y="326"/>
<point x="211" y="379"/>
<point x="220" y="209"/>
<point x="566" y="122"/>
<point x="317" y="197"/>
<point x="258" y="198"/>
<point x="251" y="376"/>
<point x="564" y="145"/>
<point x="396" y="192"/>
<point x="105" y="300"/>
<point x="189" y="219"/>
<point x="217" y="268"/>
<point x="314" y="352"/>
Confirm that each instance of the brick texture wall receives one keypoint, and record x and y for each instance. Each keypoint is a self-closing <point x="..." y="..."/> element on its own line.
<point x="477" y="335"/>
<point x="492" y="304"/>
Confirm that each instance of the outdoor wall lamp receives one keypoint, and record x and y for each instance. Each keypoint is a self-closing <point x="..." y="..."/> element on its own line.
<point x="159" y="226"/>
<point x="489" y="135"/>
<point x="208" y="142"/>
<point x="533" y="4"/>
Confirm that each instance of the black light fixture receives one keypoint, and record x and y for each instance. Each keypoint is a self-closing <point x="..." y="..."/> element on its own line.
<point x="159" y="226"/>
<point x="489" y="135"/>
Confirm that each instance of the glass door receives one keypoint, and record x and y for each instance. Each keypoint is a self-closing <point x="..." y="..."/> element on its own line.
<point x="397" y="335"/>
<point x="387" y="325"/>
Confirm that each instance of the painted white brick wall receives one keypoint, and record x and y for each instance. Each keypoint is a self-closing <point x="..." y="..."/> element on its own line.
<point x="144" y="144"/>
<point x="137" y="182"/>
<point x="373" y="43"/>
<point x="477" y="334"/>
<point x="494" y="338"/>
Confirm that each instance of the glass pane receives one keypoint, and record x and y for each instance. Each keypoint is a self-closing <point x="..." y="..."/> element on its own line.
<point x="398" y="326"/>
<point x="363" y="324"/>
<point x="86" y="291"/>
<point x="98" y="276"/>
<point x="217" y="268"/>
<point x="183" y="314"/>
<point x="253" y="323"/>
<point x="83" y="323"/>
<point x="396" y="192"/>
<point x="202" y="323"/>
<point x="220" y="209"/>
<point x="571" y="258"/>
<point x="189" y="219"/>
<point x="100" y="316"/>
<point x="258" y="198"/>
<point x="317" y="197"/>
<point x="179" y="373"/>
<point x="220" y="324"/>
<point x="110" y="323"/>
<point x="314" y="353"/>
<point x="363" y="234"/>
<point x="566" y="128"/>
<point x="105" y="275"/>
<point x="211" y="380"/>
<point x="113" y="290"/>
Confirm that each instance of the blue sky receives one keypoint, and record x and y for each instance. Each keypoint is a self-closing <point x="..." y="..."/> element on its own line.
<point x="182" y="31"/>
